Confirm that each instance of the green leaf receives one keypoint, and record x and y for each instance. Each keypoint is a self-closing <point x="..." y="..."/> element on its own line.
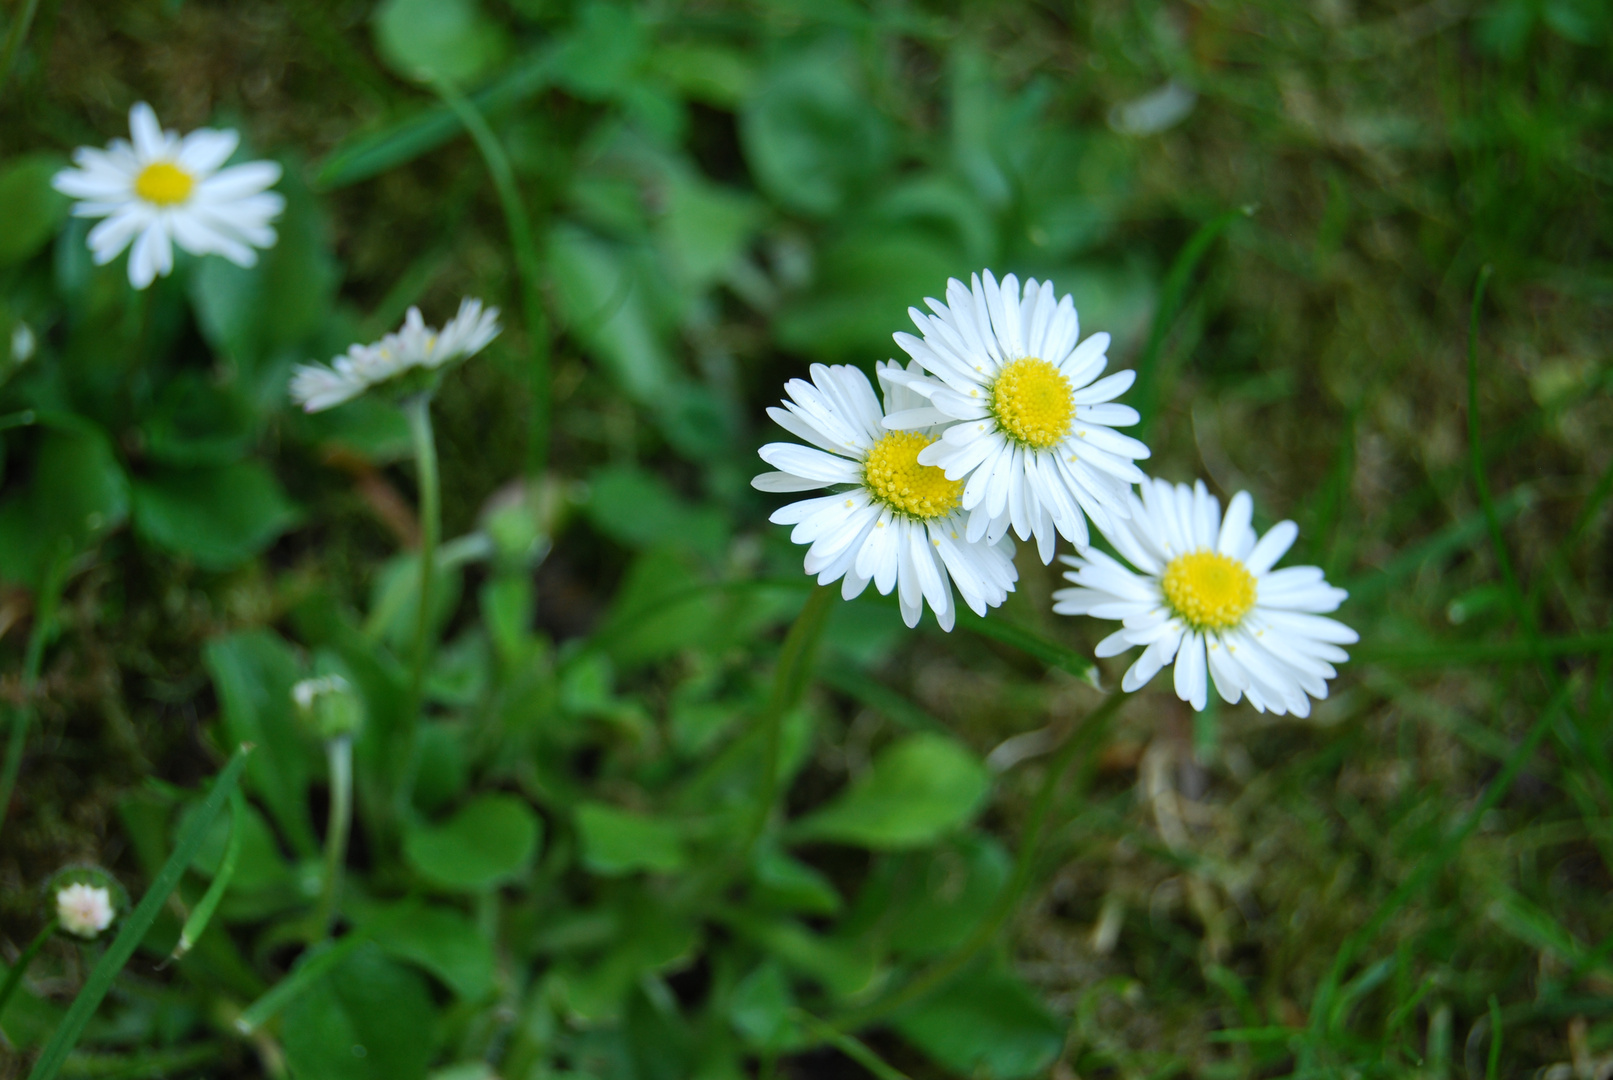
<point x="713" y="74"/>
<point x="985" y="1023"/>
<point x="759" y="1008"/>
<point x="638" y="508"/>
<point x="439" y="939"/>
<point x="792" y="885"/>
<point x="34" y="209"/>
<point x="916" y="791"/>
<point x="602" y="296"/>
<point x="218" y="516"/>
<point x="940" y="896"/>
<point x="810" y="134"/>
<point x="706" y="228"/>
<point x="369" y="1018"/>
<point x="618" y="841"/>
<point x="198" y="422"/>
<point x="448" y="39"/>
<point x="253" y="672"/>
<point x="491" y="840"/>
<point x="75" y="495"/>
<point x="601" y="55"/>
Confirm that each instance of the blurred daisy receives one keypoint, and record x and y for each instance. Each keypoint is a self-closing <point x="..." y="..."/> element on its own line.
<point x="162" y="189"/>
<point x="1036" y="443"/>
<point x="1204" y="594"/>
<point x="84" y="910"/>
<point x="410" y="359"/>
<point x="892" y="521"/>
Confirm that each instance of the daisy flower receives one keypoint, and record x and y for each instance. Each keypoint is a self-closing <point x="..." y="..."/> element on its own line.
<point x="1204" y="594"/>
<point x="162" y="189"/>
<point x="411" y="358"/>
<point x="1035" y="443"/>
<point x="892" y="520"/>
<point x="84" y="910"/>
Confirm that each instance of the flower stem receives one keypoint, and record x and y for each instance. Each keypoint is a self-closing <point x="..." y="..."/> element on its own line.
<point x="418" y="411"/>
<point x="20" y="968"/>
<point x="44" y="628"/>
<point x="1090" y="730"/>
<point x="789" y="680"/>
<point x="339" y="753"/>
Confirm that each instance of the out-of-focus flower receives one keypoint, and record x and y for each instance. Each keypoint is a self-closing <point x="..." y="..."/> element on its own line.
<point x="894" y="521"/>
<point x="328" y="703"/>
<point x="410" y="359"/>
<point x="1035" y="440"/>
<point x="84" y="910"/>
<point x="161" y="189"/>
<point x="22" y="343"/>
<point x="1204" y="594"/>
<point x="1155" y="111"/>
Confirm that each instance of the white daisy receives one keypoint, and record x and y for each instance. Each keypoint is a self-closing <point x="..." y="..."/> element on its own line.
<point x="84" y="910"/>
<point x="1204" y="594"/>
<point x="413" y="356"/>
<point x="894" y="522"/>
<point x="1036" y="440"/>
<point x="162" y="189"/>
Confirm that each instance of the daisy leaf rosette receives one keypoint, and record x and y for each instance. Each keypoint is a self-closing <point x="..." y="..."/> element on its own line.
<point x="408" y="361"/>
<point x="159" y="188"/>
<point x="891" y="520"/>
<point x="1204" y="595"/>
<point x="1031" y="424"/>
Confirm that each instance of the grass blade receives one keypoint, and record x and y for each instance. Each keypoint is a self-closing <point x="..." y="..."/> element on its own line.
<point x="202" y="914"/>
<point x="1032" y="644"/>
<point x="138" y="923"/>
<point x="301" y="978"/>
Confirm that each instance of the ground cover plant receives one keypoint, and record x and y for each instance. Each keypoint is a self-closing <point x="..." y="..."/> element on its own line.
<point x="402" y="676"/>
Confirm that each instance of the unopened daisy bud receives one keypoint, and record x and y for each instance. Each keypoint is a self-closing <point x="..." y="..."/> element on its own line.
<point x="407" y="362"/>
<point x="1203" y="595"/>
<point x="160" y="189"/>
<point x="84" y="910"/>
<point x="329" y="706"/>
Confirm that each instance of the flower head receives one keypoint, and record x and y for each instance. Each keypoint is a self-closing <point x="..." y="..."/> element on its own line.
<point x="410" y="358"/>
<point x="162" y="189"/>
<point x="84" y="910"/>
<point x="894" y="520"/>
<point x="1034" y="439"/>
<point x="1204" y="594"/>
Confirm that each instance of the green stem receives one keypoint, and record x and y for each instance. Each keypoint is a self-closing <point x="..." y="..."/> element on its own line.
<point x="519" y="224"/>
<point x="196" y="925"/>
<point x="14" y="40"/>
<point x="339" y="752"/>
<point x="418" y="411"/>
<point x="789" y="680"/>
<point x="44" y="628"/>
<point x="1024" y="866"/>
<point x="853" y="1048"/>
<point x="14" y="976"/>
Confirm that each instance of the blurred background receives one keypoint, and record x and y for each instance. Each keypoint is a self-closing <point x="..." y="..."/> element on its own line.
<point x="1280" y="211"/>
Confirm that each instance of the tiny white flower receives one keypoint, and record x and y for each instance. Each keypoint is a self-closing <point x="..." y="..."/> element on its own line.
<point x="1035" y="437"/>
<point x="413" y="351"/>
<point x="162" y="189"/>
<point x="307" y="691"/>
<point x="894" y="522"/>
<point x="84" y="910"/>
<point x="1204" y="594"/>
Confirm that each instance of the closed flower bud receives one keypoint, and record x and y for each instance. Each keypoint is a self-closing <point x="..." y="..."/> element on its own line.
<point x="329" y="706"/>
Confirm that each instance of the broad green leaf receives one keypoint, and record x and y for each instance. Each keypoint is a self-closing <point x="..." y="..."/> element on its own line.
<point x="369" y="1018"/>
<point x="811" y="135"/>
<point x="490" y="841"/>
<point x="843" y="968"/>
<point x="638" y="508"/>
<point x="985" y="1023"/>
<point x="616" y="841"/>
<point x="34" y="209"/>
<point x="253" y="672"/>
<point x="600" y="56"/>
<point x="442" y="773"/>
<point x="260" y="863"/>
<point x="759" y="1007"/>
<point x="940" y="896"/>
<point x="198" y="422"/>
<point x="916" y="791"/>
<point x="219" y="516"/>
<point x="602" y="295"/>
<point x="706" y="228"/>
<point x="788" y="884"/>
<point x="447" y="39"/>
<point x="75" y="494"/>
<point x="439" y="939"/>
<point x="713" y="74"/>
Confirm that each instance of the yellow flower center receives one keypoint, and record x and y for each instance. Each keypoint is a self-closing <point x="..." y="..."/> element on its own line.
<point x="1209" y="590"/>
<point x="164" y="183"/>
<point x="1032" y="402"/>
<point x="892" y="474"/>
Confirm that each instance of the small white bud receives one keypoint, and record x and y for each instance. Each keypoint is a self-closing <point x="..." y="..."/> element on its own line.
<point x="22" y="343"/>
<point x="84" y="910"/>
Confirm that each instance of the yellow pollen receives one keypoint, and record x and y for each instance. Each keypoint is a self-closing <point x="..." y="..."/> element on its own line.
<point x="892" y="474"/>
<point x="164" y="183"/>
<point x="1209" y="590"/>
<point x="1032" y="402"/>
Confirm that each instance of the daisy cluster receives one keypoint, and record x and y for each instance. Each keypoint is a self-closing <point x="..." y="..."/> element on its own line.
<point x="1003" y="421"/>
